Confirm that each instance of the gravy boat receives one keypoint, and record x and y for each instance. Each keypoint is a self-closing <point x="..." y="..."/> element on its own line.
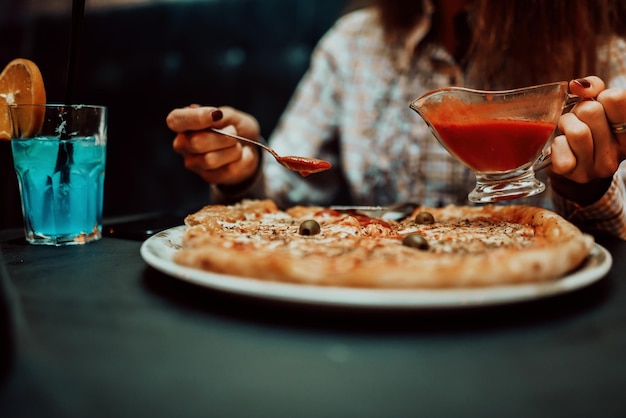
<point x="502" y="136"/>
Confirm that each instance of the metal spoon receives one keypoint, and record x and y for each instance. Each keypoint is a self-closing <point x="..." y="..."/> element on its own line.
<point x="302" y="165"/>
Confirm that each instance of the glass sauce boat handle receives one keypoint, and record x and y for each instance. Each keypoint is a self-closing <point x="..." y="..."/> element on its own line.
<point x="544" y="159"/>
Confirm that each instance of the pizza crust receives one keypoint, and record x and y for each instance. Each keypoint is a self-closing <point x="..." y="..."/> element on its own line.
<point x="469" y="246"/>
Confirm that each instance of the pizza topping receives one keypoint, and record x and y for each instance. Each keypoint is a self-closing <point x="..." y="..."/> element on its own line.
<point x="415" y="241"/>
<point x="424" y="218"/>
<point x="327" y="212"/>
<point x="366" y="220"/>
<point x="441" y="247"/>
<point x="475" y="236"/>
<point x="309" y="227"/>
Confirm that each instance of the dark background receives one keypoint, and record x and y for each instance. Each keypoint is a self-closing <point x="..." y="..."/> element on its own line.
<point x="144" y="60"/>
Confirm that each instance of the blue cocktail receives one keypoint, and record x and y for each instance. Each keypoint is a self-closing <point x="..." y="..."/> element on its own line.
<point x="61" y="178"/>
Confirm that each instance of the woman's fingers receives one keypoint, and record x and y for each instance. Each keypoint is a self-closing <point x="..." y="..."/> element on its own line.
<point x="588" y="149"/>
<point x="193" y="118"/>
<point x="588" y="87"/>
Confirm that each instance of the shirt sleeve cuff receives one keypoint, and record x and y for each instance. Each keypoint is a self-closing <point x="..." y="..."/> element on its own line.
<point x="606" y="216"/>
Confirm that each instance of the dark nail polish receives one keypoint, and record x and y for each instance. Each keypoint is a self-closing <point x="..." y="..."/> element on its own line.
<point x="582" y="82"/>
<point x="217" y="115"/>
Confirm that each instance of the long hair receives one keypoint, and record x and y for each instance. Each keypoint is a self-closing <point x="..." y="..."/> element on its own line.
<point x="513" y="43"/>
<point x="520" y="42"/>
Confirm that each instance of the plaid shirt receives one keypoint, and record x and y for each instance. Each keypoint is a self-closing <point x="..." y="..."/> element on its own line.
<point x="351" y="108"/>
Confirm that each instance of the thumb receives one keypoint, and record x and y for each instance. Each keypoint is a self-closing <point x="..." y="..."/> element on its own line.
<point x="588" y="87"/>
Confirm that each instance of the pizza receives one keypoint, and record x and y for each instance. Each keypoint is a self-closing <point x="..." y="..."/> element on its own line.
<point x="451" y="246"/>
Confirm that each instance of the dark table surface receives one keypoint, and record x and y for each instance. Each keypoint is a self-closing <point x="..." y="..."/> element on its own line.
<point x="91" y="331"/>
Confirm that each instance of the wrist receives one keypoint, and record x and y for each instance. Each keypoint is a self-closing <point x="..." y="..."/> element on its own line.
<point x="583" y="194"/>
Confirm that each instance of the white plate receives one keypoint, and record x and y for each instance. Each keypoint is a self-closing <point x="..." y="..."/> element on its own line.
<point x="158" y="250"/>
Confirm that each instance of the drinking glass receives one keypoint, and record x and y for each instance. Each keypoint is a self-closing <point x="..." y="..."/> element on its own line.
<point x="60" y="169"/>
<point x="503" y="136"/>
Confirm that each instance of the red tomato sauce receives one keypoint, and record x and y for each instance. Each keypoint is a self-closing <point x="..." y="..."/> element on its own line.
<point x="363" y="220"/>
<point x="496" y="145"/>
<point x="304" y="166"/>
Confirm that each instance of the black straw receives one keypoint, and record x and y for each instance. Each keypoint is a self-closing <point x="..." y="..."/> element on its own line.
<point x="65" y="155"/>
<point x="78" y="11"/>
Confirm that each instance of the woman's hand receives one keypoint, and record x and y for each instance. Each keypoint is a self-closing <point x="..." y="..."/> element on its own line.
<point x="588" y="153"/>
<point x="216" y="158"/>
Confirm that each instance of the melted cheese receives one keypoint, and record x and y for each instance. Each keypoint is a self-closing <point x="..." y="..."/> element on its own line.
<point x="473" y="236"/>
<point x="340" y="234"/>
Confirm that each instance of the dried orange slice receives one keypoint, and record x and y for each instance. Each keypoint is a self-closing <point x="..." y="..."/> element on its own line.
<point x="21" y="83"/>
